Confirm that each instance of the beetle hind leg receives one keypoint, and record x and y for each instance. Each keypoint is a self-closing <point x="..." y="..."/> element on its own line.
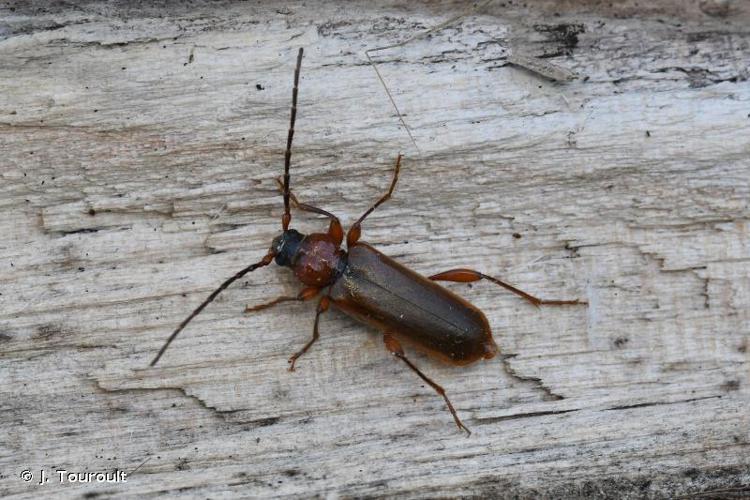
<point x="395" y="348"/>
<point x="469" y="275"/>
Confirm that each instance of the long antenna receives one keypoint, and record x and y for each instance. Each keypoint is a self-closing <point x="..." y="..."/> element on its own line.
<point x="287" y="217"/>
<point x="264" y="262"/>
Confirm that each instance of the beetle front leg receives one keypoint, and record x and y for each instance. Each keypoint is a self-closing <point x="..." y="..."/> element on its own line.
<point x="305" y="294"/>
<point x="469" y="275"/>
<point x="352" y="236"/>
<point x="395" y="348"/>
<point x="322" y="307"/>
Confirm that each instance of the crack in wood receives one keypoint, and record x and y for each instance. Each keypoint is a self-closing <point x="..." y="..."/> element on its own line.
<point x="661" y="403"/>
<point x="515" y="416"/>
<point x="535" y="382"/>
<point x="222" y="414"/>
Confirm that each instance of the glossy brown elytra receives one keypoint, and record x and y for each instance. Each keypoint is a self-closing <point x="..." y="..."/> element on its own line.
<point x="373" y="288"/>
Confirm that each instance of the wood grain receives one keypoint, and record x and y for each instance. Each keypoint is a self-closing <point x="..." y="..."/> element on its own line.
<point x="139" y="150"/>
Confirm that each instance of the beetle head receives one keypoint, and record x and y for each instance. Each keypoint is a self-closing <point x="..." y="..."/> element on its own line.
<point x="285" y="246"/>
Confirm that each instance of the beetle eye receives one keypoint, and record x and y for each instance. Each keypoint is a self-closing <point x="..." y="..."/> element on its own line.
<point x="278" y="242"/>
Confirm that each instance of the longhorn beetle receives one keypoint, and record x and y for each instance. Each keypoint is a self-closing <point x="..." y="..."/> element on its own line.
<point x="373" y="288"/>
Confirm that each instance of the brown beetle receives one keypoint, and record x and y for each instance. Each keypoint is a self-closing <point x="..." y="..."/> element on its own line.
<point x="373" y="288"/>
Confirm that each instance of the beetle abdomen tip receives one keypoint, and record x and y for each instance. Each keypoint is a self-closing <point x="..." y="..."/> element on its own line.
<point x="490" y="349"/>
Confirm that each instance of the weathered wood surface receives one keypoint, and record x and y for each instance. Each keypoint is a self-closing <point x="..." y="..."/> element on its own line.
<point x="139" y="150"/>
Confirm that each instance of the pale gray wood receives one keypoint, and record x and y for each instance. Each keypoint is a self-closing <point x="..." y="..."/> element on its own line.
<point x="139" y="151"/>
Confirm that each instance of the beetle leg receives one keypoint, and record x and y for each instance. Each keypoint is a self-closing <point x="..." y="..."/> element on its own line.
<point x="469" y="275"/>
<point x="356" y="230"/>
<point x="395" y="348"/>
<point x="334" y="229"/>
<point x="305" y="294"/>
<point x="322" y="307"/>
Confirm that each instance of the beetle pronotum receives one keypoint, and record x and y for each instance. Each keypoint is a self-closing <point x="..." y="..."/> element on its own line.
<point x="373" y="288"/>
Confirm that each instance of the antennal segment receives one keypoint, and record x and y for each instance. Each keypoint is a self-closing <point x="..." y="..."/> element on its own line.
<point x="287" y="217"/>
